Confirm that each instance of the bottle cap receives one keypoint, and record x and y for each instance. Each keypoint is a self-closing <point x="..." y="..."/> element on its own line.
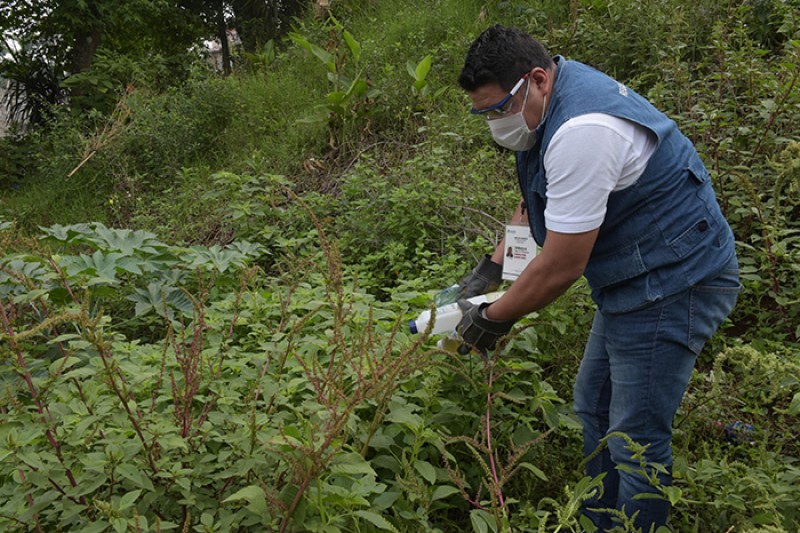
<point x="412" y="325"/>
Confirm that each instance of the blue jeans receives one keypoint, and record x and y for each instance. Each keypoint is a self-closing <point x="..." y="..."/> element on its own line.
<point x="633" y="375"/>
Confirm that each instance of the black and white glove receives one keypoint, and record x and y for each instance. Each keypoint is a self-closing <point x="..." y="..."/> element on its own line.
<point x="477" y="331"/>
<point x="486" y="277"/>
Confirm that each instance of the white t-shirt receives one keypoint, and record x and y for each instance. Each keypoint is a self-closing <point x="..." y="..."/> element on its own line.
<point x="589" y="157"/>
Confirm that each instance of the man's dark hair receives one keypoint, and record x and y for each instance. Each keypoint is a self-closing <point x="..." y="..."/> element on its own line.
<point x="502" y="55"/>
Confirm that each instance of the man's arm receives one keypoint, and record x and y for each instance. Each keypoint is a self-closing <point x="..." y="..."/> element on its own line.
<point x="558" y="265"/>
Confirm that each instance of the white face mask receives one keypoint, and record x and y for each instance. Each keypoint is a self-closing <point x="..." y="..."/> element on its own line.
<point x="512" y="132"/>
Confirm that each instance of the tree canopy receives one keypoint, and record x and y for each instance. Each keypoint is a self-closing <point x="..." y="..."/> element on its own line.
<point x="87" y="51"/>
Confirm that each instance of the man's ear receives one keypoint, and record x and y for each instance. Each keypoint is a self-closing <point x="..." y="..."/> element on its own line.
<point x="539" y="77"/>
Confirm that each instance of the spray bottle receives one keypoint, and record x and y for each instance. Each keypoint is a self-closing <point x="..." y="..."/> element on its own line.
<point x="447" y="316"/>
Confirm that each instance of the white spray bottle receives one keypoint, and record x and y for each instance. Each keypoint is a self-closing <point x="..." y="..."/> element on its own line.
<point x="447" y="316"/>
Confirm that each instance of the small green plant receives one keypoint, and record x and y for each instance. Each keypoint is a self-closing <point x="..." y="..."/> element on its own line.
<point x="351" y="100"/>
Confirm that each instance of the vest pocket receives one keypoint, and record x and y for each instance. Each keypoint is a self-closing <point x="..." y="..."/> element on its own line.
<point x="689" y="239"/>
<point x="616" y="267"/>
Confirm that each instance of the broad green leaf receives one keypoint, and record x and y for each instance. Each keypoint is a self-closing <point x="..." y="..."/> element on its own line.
<point x="352" y="463"/>
<point x="336" y="97"/>
<point x="96" y="527"/>
<point x="60" y="365"/>
<point x="29" y="296"/>
<point x="550" y="415"/>
<point x="423" y="67"/>
<point x="794" y="407"/>
<point x="411" y="68"/>
<point x="321" y="54"/>
<point x="61" y="233"/>
<point x="673" y="494"/>
<point x="376" y="520"/>
<point x="31" y="459"/>
<point x="120" y="525"/>
<point x="133" y="474"/>
<point x="255" y="497"/>
<point x="405" y="415"/>
<point x="64" y="338"/>
<point x="385" y="500"/>
<point x="129" y="499"/>
<point x="426" y="470"/>
<point x="443" y="491"/>
<point x="358" y="88"/>
<point x="589" y="527"/>
<point x="479" y="521"/>
<point x="157" y="296"/>
<point x="352" y="44"/>
<point x="127" y="241"/>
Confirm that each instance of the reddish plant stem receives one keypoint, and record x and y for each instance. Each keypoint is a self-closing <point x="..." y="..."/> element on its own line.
<point x="43" y="411"/>
<point x="123" y="397"/>
<point x="212" y="401"/>
<point x="489" y="436"/>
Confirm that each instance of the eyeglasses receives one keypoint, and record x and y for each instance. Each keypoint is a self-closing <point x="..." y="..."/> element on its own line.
<point x="496" y="110"/>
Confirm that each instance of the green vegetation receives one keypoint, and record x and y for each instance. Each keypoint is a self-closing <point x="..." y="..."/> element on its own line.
<point x="204" y="291"/>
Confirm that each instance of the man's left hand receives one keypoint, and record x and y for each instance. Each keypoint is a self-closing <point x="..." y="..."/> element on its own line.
<point x="477" y="331"/>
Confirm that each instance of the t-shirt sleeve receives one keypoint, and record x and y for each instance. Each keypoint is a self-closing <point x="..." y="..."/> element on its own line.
<point x="584" y="162"/>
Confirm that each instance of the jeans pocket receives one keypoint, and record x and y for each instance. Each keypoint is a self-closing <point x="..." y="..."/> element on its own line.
<point x="710" y="304"/>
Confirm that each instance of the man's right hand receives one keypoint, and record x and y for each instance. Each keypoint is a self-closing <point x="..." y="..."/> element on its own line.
<point x="486" y="277"/>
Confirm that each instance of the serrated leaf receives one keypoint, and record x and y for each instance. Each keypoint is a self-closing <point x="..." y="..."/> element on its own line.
<point x="405" y="415"/>
<point x="376" y="520"/>
<point x="352" y="463"/>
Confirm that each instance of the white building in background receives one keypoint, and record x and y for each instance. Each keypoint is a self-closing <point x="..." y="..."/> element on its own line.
<point x="5" y="55"/>
<point x="3" y="108"/>
<point x="213" y="49"/>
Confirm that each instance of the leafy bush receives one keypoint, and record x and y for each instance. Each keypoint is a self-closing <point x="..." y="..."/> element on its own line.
<point x="219" y="386"/>
<point x="154" y="436"/>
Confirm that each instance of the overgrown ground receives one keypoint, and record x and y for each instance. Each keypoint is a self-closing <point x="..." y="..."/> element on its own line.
<point x="204" y="293"/>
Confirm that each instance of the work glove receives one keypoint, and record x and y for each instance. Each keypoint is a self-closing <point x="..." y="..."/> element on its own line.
<point x="486" y="277"/>
<point x="477" y="331"/>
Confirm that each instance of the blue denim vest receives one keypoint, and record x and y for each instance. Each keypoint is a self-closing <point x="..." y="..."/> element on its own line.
<point x="661" y="235"/>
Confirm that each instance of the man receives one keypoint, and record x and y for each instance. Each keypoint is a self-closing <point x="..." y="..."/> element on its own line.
<point x="615" y="192"/>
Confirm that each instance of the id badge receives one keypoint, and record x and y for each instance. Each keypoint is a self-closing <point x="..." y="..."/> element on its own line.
<point x="520" y="250"/>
